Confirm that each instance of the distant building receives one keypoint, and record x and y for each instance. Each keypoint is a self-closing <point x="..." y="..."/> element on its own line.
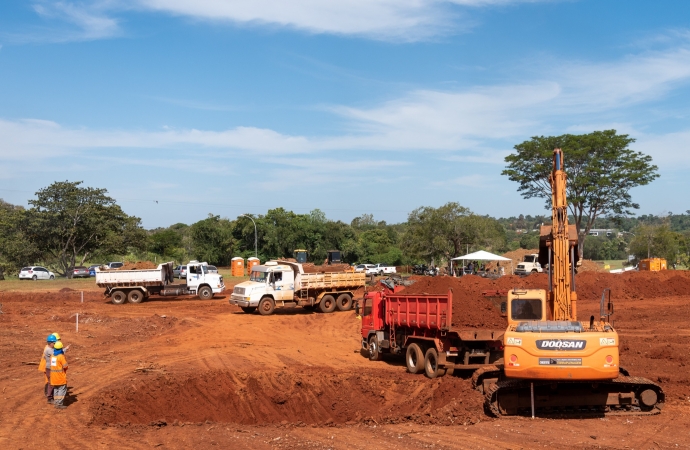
<point x="608" y="232"/>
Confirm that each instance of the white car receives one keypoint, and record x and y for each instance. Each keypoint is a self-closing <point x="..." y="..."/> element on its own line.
<point x="384" y="269"/>
<point x="369" y="269"/>
<point x="36" y="273"/>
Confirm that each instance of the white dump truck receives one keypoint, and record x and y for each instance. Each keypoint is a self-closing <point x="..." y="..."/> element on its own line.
<point x="285" y="284"/>
<point x="136" y="286"/>
<point x="529" y="264"/>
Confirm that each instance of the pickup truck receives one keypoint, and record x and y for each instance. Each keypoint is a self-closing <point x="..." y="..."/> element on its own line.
<point x="384" y="269"/>
<point x="368" y="269"/>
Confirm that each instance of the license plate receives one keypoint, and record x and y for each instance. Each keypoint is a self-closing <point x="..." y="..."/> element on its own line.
<point x="560" y="361"/>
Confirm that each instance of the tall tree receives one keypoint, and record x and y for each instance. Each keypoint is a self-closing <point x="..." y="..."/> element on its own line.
<point x="70" y="222"/>
<point x="601" y="171"/>
<point x="441" y="233"/>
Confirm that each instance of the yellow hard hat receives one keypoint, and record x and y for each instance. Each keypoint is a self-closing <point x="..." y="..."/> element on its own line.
<point x="57" y="336"/>
<point x="58" y="345"/>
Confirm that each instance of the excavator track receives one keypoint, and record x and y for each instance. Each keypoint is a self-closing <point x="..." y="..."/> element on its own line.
<point x="482" y="374"/>
<point x="621" y="396"/>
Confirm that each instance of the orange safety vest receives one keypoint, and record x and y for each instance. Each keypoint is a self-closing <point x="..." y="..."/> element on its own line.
<point x="58" y="364"/>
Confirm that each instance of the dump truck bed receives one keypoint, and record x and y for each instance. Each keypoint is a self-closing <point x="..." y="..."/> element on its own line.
<point x="146" y="277"/>
<point x="332" y="281"/>
<point x="432" y="312"/>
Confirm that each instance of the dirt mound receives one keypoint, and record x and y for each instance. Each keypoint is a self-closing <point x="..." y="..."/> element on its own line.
<point x="311" y="396"/>
<point x="311" y="268"/>
<point x="139" y="265"/>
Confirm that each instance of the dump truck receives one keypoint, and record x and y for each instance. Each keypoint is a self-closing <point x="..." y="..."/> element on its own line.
<point x="529" y="264"/>
<point x="278" y="284"/>
<point x="136" y="286"/>
<point x="419" y="327"/>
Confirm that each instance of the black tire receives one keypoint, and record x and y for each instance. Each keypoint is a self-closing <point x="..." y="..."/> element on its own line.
<point x="266" y="306"/>
<point x="205" y="293"/>
<point x="344" y="302"/>
<point x="34" y="278"/>
<point x="135" y="296"/>
<point x="534" y="271"/>
<point x="248" y="309"/>
<point x="52" y="277"/>
<point x="327" y="304"/>
<point x="375" y="349"/>
<point x="414" y="358"/>
<point x="431" y="367"/>
<point x="118" y="297"/>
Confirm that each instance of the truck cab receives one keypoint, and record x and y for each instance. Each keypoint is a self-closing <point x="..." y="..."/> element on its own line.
<point x="530" y="264"/>
<point x="199" y="276"/>
<point x="267" y="280"/>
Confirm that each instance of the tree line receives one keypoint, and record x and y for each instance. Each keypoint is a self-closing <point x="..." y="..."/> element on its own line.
<point x="68" y="224"/>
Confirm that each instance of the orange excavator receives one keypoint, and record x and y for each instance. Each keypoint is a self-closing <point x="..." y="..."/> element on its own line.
<point x="553" y="363"/>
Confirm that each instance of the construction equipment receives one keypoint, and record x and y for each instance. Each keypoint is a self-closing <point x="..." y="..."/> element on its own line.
<point x="554" y="364"/>
<point x="300" y="255"/>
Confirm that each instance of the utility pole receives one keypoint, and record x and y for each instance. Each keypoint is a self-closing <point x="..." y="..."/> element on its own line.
<point x="256" y="247"/>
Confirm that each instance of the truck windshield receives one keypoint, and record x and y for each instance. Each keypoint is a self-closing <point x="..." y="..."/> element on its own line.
<point x="530" y="259"/>
<point x="259" y="277"/>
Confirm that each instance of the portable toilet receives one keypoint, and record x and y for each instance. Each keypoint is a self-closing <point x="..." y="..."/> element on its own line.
<point x="237" y="267"/>
<point x="251" y="262"/>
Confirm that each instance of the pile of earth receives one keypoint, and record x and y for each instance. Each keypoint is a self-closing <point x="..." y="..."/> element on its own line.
<point x="311" y="268"/>
<point x="472" y="309"/>
<point x="139" y="265"/>
<point x="316" y="395"/>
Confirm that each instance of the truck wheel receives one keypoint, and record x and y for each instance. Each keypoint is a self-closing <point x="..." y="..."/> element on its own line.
<point x="534" y="270"/>
<point x="135" y="296"/>
<point x="248" y="309"/>
<point x="344" y="302"/>
<point x="266" y="306"/>
<point x="118" y="298"/>
<point x="374" y="349"/>
<point x="431" y="368"/>
<point x="414" y="359"/>
<point x="327" y="304"/>
<point x="205" y="293"/>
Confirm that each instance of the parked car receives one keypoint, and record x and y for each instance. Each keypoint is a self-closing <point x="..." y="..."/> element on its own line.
<point x="369" y="269"/>
<point x="80" y="272"/>
<point x="212" y="269"/>
<point x="115" y="265"/>
<point x="92" y="269"/>
<point x="180" y="272"/>
<point x="384" y="269"/>
<point x="36" y="273"/>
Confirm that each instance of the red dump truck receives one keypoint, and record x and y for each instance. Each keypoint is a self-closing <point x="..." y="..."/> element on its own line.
<point x="419" y="326"/>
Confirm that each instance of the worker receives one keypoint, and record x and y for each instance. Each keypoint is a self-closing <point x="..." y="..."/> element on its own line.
<point x="58" y="375"/>
<point x="44" y="366"/>
<point x="57" y="336"/>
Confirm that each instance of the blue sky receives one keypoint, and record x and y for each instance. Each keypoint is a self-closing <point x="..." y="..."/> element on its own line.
<point x="355" y="106"/>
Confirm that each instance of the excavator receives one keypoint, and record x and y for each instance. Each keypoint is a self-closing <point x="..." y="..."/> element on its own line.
<point x="554" y="364"/>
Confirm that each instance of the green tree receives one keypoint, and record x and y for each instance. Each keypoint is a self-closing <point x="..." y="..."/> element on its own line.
<point x="213" y="240"/>
<point x="601" y="171"/>
<point x="441" y="233"/>
<point x="165" y="242"/>
<point x="69" y="223"/>
<point x="655" y="241"/>
<point x="16" y="249"/>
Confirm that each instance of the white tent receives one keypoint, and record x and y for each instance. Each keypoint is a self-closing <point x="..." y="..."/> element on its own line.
<point x="481" y="255"/>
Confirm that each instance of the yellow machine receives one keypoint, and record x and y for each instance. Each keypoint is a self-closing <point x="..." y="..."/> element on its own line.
<point x="554" y="363"/>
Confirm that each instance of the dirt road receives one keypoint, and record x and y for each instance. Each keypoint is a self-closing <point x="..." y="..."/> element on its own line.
<point x="187" y="373"/>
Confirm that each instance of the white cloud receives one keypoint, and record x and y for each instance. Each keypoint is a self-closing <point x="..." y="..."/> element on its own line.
<point x="73" y="22"/>
<point x="405" y="20"/>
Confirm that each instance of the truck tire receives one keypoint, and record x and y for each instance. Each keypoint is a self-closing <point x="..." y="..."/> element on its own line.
<point x="118" y="298"/>
<point x="431" y="368"/>
<point x="327" y="304"/>
<point x="375" y="349"/>
<point x="534" y="270"/>
<point x="266" y="306"/>
<point x="414" y="358"/>
<point x="248" y="309"/>
<point x="344" y="302"/>
<point x="205" y="293"/>
<point x="135" y="296"/>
